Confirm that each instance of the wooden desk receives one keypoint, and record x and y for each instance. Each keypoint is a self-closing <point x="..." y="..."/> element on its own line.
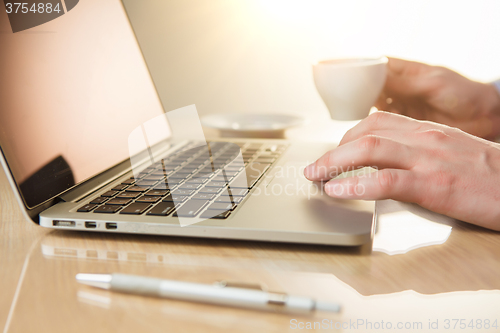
<point x="457" y="279"/>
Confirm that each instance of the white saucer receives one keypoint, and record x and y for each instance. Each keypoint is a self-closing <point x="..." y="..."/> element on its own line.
<point x="252" y="125"/>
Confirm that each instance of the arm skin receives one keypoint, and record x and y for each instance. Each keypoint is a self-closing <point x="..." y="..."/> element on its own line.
<point x="441" y="95"/>
<point x="435" y="166"/>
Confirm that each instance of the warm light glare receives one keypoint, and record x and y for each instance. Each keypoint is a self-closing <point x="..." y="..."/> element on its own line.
<point x="256" y="56"/>
<point x="461" y="35"/>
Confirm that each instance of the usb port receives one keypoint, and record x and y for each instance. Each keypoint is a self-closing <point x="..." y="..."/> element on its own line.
<point x="111" y="225"/>
<point x="91" y="225"/>
<point x="58" y="223"/>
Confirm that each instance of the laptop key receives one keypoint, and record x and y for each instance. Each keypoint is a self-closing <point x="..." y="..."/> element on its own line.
<point x="252" y="174"/>
<point x="233" y="168"/>
<point x="222" y="206"/>
<point x="216" y="184"/>
<point x="171" y="166"/>
<point x="119" y="187"/>
<point x="160" y="174"/>
<point x="149" y="199"/>
<point x="99" y="200"/>
<point x="144" y="173"/>
<point x="128" y="195"/>
<point x="182" y="173"/>
<point x="225" y="197"/>
<point x="189" y="186"/>
<point x="216" y="214"/>
<point x="136" y="208"/>
<point x="238" y="165"/>
<point x="203" y="196"/>
<point x="206" y="170"/>
<point x="212" y="190"/>
<point x="166" y="184"/>
<point x="155" y="192"/>
<point x="107" y="209"/>
<point x="119" y="202"/>
<point x="109" y="194"/>
<point x="175" y="198"/>
<point x="86" y="208"/>
<point x="162" y="209"/>
<point x="227" y="173"/>
<point x="177" y="177"/>
<point x="222" y="178"/>
<point x="182" y="192"/>
<point x="238" y="192"/>
<point x="136" y="189"/>
<point x="196" y="180"/>
<point x="146" y="184"/>
<point x="191" y="208"/>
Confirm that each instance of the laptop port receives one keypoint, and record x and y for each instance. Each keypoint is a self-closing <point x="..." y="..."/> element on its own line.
<point x="90" y="225"/>
<point x="111" y="225"/>
<point x="58" y="223"/>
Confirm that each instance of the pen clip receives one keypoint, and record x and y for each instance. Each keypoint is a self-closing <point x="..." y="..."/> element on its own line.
<point x="273" y="298"/>
<point x="244" y="285"/>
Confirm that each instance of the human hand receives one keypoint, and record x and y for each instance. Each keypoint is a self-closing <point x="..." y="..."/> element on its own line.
<point x="441" y="95"/>
<point x="435" y="166"/>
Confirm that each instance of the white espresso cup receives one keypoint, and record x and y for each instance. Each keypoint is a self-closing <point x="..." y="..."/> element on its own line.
<point x="350" y="87"/>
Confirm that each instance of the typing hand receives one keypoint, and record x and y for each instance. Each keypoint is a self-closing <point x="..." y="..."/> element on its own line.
<point x="438" y="167"/>
<point x="441" y="95"/>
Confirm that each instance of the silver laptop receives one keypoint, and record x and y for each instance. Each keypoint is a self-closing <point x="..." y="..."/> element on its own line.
<point x="87" y="145"/>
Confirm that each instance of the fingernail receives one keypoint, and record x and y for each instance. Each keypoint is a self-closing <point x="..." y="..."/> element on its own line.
<point x="334" y="189"/>
<point x="309" y="170"/>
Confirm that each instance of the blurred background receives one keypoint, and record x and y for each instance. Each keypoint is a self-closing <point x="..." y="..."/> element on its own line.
<point x="248" y="56"/>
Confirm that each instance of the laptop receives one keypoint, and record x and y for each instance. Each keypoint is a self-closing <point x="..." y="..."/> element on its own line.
<point x="87" y="145"/>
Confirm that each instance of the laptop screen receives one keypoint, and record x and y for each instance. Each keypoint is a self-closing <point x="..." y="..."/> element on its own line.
<point x="71" y="92"/>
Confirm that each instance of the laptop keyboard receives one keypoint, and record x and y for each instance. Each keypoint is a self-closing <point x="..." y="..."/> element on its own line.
<point x="204" y="181"/>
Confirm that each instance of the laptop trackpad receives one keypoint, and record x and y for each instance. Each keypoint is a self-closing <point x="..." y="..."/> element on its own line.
<point x="286" y="195"/>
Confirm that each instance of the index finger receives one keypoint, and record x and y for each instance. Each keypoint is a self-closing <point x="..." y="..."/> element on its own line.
<point x="380" y="121"/>
<point x="374" y="151"/>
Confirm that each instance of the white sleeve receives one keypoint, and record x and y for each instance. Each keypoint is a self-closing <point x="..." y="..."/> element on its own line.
<point x="497" y="85"/>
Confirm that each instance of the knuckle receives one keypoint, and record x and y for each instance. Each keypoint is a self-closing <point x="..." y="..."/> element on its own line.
<point x="369" y="143"/>
<point x="376" y="119"/>
<point x="421" y="126"/>
<point x="387" y="180"/>
<point x="434" y="134"/>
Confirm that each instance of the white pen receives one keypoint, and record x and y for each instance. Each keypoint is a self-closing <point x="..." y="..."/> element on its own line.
<point x="216" y="294"/>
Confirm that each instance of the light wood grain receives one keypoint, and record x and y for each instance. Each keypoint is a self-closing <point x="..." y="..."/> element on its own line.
<point x="40" y="294"/>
